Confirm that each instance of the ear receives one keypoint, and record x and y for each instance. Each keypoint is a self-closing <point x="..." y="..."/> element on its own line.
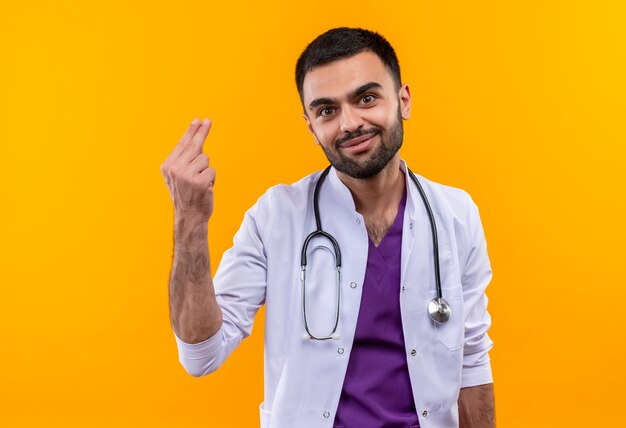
<point x="310" y="127"/>
<point x="405" y="102"/>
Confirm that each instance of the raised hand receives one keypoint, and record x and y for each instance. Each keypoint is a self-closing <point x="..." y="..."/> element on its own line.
<point x="188" y="175"/>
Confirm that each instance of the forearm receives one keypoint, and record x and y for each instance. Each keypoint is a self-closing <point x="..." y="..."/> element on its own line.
<point x="476" y="407"/>
<point x="194" y="311"/>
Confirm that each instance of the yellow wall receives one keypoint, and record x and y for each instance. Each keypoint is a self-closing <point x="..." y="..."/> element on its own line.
<point x="521" y="103"/>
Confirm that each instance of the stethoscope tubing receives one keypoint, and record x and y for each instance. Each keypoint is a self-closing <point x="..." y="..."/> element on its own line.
<point x="433" y="227"/>
<point x="438" y="308"/>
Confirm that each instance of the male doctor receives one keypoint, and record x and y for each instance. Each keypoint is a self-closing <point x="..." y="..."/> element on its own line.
<point x="352" y="346"/>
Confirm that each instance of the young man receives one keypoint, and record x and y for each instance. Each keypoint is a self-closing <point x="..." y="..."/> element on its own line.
<point x="356" y="332"/>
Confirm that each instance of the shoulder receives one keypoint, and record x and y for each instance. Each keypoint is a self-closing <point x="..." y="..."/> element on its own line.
<point x="282" y="203"/>
<point x="447" y="198"/>
<point x="458" y="214"/>
<point x="289" y="196"/>
<point x="456" y="209"/>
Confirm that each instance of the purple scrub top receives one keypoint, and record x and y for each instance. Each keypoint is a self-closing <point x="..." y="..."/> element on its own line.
<point x="377" y="390"/>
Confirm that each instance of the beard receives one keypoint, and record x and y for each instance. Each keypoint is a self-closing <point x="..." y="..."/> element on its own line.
<point x="391" y="141"/>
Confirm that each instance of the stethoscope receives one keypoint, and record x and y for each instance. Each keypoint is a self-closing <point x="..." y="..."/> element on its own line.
<point x="438" y="308"/>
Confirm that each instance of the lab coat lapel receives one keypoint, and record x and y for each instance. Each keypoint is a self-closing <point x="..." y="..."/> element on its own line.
<point x="417" y="245"/>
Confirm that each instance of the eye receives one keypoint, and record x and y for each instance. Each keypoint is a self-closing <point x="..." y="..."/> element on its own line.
<point x="367" y="99"/>
<point x="326" y="111"/>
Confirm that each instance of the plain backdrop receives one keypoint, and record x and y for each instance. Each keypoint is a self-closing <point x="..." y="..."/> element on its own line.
<point x="520" y="103"/>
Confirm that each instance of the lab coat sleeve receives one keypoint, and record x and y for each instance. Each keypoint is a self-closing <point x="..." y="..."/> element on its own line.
<point x="475" y="278"/>
<point x="240" y="284"/>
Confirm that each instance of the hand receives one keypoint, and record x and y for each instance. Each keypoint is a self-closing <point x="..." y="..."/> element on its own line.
<point x="188" y="175"/>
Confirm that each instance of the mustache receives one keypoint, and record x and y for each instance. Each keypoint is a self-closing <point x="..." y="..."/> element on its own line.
<point x="356" y="134"/>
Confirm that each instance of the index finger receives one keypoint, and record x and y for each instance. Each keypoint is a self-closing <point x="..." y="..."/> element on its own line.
<point x="194" y="148"/>
<point x="191" y="131"/>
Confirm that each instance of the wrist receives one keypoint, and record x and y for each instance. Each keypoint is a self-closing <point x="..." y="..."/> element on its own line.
<point x="189" y="229"/>
<point x="189" y="219"/>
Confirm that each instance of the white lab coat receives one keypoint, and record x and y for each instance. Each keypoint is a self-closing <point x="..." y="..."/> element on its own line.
<point x="304" y="378"/>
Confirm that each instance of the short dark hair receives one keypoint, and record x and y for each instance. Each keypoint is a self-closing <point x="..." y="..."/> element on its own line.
<point x="345" y="42"/>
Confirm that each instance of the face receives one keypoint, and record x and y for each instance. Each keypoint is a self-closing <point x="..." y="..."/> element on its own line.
<point x="355" y="113"/>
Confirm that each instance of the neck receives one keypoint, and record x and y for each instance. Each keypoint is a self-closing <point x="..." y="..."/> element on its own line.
<point x="375" y="196"/>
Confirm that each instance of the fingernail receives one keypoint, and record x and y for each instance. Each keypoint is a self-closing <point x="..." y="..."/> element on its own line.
<point x="195" y="121"/>
<point x="205" y="122"/>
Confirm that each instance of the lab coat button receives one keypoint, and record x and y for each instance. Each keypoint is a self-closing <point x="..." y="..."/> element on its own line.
<point x="413" y="352"/>
<point x="411" y="225"/>
<point x="340" y="350"/>
<point x="425" y="413"/>
<point x="353" y="285"/>
<point x="326" y="414"/>
<point x="358" y="221"/>
<point x="403" y="288"/>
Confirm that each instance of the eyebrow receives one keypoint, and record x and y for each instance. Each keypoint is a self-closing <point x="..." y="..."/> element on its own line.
<point x="354" y="94"/>
<point x="364" y="88"/>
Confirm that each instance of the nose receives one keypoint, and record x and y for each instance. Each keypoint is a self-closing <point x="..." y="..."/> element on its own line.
<point x="350" y="120"/>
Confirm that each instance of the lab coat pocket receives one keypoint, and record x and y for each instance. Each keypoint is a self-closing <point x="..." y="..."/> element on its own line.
<point x="265" y="416"/>
<point x="452" y="332"/>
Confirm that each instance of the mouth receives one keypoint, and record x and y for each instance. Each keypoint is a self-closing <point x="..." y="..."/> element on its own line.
<point x="358" y="144"/>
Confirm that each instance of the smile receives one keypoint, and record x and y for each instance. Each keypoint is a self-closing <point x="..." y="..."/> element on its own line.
<point x="359" y="144"/>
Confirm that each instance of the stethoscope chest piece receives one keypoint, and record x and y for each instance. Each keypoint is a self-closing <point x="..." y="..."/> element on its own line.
<point x="439" y="310"/>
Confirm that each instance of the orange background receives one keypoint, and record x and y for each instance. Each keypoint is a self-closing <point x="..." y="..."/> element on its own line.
<point x="521" y="103"/>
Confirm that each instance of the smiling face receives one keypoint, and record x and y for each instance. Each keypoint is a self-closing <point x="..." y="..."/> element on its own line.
<point x="354" y="111"/>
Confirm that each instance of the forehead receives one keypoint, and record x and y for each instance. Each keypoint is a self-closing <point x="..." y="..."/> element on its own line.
<point x="338" y="78"/>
